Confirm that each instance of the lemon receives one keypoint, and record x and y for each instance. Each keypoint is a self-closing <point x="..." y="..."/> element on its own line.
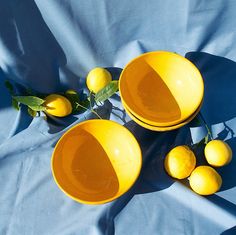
<point x="71" y="92"/>
<point x="97" y="79"/>
<point x="180" y="162"/>
<point x="57" y="105"/>
<point x="218" y="153"/>
<point x="204" y="180"/>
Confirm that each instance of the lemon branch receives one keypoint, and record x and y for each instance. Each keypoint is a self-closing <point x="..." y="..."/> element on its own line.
<point x="90" y="99"/>
<point x="37" y="102"/>
<point x="90" y="109"/>
<point x="209" y="133"/>
<point x="204" y="140"/>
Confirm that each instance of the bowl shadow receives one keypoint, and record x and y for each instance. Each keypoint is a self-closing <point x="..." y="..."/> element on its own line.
<point x="219" y="103"/>
<point x="219" y="80"/>
<point x="154" y="146"/>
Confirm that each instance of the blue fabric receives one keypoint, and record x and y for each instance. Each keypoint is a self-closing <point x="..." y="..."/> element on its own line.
<point x="50" y="46"/>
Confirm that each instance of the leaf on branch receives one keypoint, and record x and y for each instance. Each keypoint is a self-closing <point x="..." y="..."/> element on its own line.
<point x="29" y="100"/>
<point x="37" y="107"/>
<point x="32" y="112"/>
<point x="107" y="91"/>
<point x="15" y="104"/>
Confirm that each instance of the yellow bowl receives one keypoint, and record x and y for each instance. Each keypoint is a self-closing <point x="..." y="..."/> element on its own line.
<point x="96" y="161"/>
<point x="161" y="88"/>
<point x="158" y="128"/>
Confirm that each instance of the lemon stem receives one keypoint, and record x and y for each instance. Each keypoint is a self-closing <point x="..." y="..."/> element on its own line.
<point x="90" y="98"/>
<point x="96" y="114"/>
<point x="91" y="109"/>
<point x="206" y="126"/>
<point x="90" y="104"/>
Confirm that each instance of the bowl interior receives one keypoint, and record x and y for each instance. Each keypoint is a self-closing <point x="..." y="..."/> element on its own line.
<point x="96" y="161"/>
<point x="162" y="88"/>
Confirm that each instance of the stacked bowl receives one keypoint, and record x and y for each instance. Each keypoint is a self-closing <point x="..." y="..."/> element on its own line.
<point x="161" y="90"/>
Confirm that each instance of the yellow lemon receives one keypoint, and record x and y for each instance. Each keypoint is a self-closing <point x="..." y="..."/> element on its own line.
<point x="71" y="92"/>
<point x="57" y="105"/>
<point x="204" y="180"/>
<point x="218" y="153"/>
<point x="180" y="162"/>
<point x="97" y="79"/>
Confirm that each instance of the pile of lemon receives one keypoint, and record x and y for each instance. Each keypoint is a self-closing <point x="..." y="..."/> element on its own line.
<point x="180" y="163"/>
<point x="60" y="106"/>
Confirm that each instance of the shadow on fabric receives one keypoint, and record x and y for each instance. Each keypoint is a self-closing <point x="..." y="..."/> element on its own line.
<point x="231" y="231"/>
<point x="219" y="102"/>
<point x="219" y="79"/>
<point x="115" y="72"/>
<point x="223" y="203"/>
<point x="56" y="124"/>
<point x="30" y="53"/>
<point x="23" y="120"/>
<point x="154" y="146"/>
<point x="5" y="96"/>
<point x="219" y="107"/>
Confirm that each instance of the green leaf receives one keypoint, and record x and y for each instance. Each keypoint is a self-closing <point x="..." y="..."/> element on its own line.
<point x="37" y="107"/>
<point x="32" y="112"/>
<point x="9" y="86"/>
<point x="107" y="91"/>
<point x="29" y="100"/>
<point x="15" y="104"/>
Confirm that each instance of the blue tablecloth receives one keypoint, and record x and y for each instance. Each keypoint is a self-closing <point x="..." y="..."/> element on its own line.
<point x="49" y="46"/>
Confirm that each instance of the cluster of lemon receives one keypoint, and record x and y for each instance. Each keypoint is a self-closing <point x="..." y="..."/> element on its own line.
<point x="180" y="163"/>
<point x="61" y="106"/>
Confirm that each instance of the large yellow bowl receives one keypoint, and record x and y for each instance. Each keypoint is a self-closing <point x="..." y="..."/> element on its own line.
<point x="96" y="161"/>
<point x="161" y="128"/>
<point x="161" y="88"/>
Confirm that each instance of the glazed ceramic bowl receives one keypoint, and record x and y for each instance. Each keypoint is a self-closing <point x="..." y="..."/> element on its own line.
<point x="161" y="128"/>
<point x="161" y="88"/>
<point x="96" y="161"/>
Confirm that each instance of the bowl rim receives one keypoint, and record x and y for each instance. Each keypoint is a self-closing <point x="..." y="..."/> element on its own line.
<point x="154" y="123"/>
<point x="161" y="129"/>
<point x="139" y="156"/>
